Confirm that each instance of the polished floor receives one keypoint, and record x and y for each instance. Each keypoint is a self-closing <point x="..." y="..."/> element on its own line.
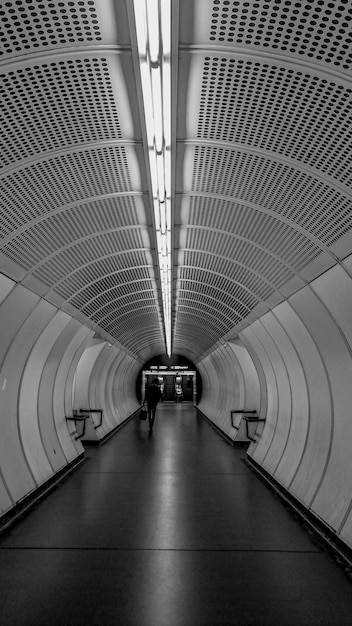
<point x="167" y="529"/>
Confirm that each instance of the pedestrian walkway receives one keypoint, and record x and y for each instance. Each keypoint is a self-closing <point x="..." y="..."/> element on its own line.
<point x="167" y="529"/>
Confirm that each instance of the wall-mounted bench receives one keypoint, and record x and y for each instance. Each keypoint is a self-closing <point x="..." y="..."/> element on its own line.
<point x="90" y="411"/>
<point x="247" y="418"/>
<point x="81" y="415"/>
<point x="77" y="417"/>
<point x="237" y="412"/>
<point x="250" y="420"/>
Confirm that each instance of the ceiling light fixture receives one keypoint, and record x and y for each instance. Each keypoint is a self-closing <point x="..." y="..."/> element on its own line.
<point x="153" y="27"/>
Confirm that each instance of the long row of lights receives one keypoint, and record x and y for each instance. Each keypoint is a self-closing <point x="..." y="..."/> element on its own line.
<point x="153" y="26"/>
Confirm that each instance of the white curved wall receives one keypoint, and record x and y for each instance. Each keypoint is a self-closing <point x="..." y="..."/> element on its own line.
<point x="302" y="352"/>
<point x="82" y="398"/>
<point x="40" y="349"/>
<point x="15" y="346"/>
<point x="230" y="383"/>
<point x="45" y="359"/>
<point x="293" y="365"/>
<point x="105" y="380"/>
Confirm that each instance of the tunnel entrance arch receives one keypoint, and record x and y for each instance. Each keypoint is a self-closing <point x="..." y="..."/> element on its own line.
<point x="178" y="378"/>
<point x="176" y="385"/>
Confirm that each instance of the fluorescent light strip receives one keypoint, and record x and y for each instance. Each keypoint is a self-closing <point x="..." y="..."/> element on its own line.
<point x="153" y="22"/>
<point x="153" y="27"/>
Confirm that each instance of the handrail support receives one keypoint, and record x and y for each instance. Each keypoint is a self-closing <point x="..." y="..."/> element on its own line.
<point x="90" y="411"/>
<point x="248" y="419"/>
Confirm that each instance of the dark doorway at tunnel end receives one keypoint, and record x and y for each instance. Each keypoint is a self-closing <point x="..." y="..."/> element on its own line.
<point x="176" y="364"/>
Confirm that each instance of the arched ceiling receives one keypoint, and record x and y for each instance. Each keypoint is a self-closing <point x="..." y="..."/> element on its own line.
<point x="261" y="184"/>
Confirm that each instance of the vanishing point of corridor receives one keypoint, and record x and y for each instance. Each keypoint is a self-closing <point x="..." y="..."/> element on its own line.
<point x="167" y="529"/>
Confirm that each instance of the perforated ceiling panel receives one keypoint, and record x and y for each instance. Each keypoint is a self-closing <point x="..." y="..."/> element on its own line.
<point x="262" y="110"/>
<point x="264" y="158"/>
<point x="27" y="26"/>
<point x="76" y="221"/>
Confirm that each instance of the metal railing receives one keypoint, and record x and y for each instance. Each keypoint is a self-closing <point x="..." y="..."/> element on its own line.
<point x="90" y="411"/>
<point x="81" y="415"/>
<point x="248" y="417"/>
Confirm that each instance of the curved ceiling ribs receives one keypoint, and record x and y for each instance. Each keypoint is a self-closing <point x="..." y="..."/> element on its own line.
<point x="264" y="167"/>
<point x="76" y="221"/>
<point x="262" y="162"/>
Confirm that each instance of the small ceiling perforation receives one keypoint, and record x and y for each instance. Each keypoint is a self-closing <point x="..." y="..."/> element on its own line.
<point x="317" y="29"/>
<point x="28" y="25"/>
<point x="56" y="104"/>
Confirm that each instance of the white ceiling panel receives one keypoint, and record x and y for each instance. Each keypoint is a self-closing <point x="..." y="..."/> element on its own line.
<point x="261" y="145"/>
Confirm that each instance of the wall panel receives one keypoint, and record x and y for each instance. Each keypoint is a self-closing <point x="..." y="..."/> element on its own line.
<point x="333" y="495"/>
<point x="106" y="379"/>
<point x="113" y="372"/>
<point x="47" y="363"/>
<point x="293" y="400"/>
<point x="14" y="311"/>
<point x="123" y="386"/>
<point x="208" y="403"/>
<point x="65" y="353"/>
<point x="230" y="382"/>
<point x="214" y="404"/>
<point x="260" y="449"/>
<point x="82" y="388"/>
<point x="231" y="387"/>
<point x="6" y="285"/>
<point x="316" y="425"/>
<point x="55" y="377"/>
<point x="267" y="331"/>
<point x="6" y="501"/>
<point x="30" y="434"/>
<point x="249" y="389"/>
<point x="235" y="350"/>
<point x="249" y="377"/>
<point x="335" y="290"/>
<point x="40" y="349"/>
<point x="295" y="446"/>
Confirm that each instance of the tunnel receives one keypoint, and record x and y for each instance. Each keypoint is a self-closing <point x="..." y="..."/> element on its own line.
<point x="176" y="204"/>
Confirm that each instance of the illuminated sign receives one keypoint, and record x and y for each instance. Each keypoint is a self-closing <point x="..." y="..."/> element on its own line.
<point x="165" y="367"/>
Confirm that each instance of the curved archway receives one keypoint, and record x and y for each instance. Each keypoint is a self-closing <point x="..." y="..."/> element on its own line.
<point x="169" y="368"/>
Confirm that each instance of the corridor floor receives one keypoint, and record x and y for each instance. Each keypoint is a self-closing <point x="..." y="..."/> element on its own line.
<point x="167" y="529"/>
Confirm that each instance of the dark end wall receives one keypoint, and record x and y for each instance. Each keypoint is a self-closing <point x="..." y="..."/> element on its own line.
<point x="163" y="359"/>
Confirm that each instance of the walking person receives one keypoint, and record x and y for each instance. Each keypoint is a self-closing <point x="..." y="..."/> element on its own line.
<point x="152" y="397"/>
